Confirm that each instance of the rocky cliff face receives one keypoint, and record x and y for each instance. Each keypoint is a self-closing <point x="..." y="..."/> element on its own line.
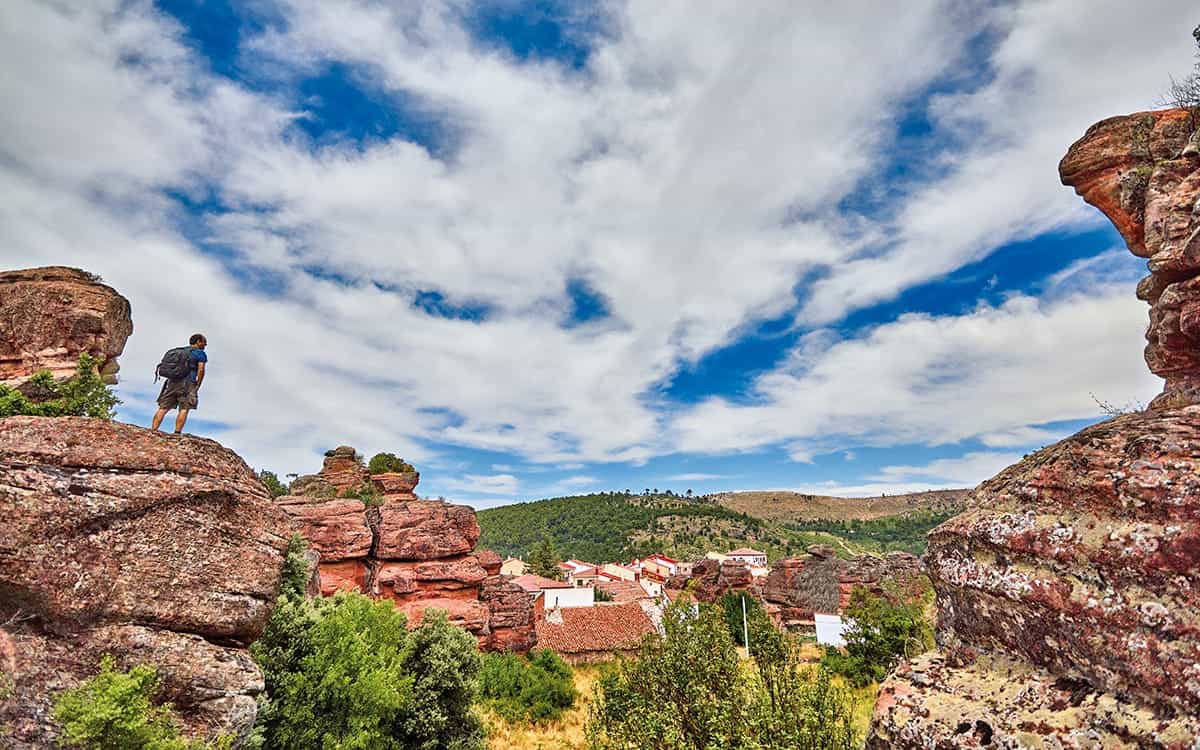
<point x="1068" y="592"/>
<point x="418" y="553"/>
<point x="49" y="316"/>
<point x="154" y="548"/>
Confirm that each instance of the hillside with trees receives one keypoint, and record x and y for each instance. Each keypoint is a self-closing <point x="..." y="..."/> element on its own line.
<point x="611" y="526"/>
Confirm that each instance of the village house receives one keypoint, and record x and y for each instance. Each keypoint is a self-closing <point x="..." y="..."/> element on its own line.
<point x="584" y="577"/>
<point x="595" y="634"/>
<point x="556" y="594"/>
<point x="615" y="572"/>
<point x="513" y="566"/>
<point x="751" y="557"/>
<point x="623" y="591"/>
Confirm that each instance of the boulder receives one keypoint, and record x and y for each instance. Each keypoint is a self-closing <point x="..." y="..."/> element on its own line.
<point x="347" y="575"/>
<point x="429" y="578"/>
<point x="425" y="530"/>
<point x="337" y="529"/>
<point x="469" y="614"/>
<point x="49" y="316"/>
<point x="151" y="547"/>
<point x="343" y="469"/>
<point x="396" y="485"/>
<point x="1100" y="531"/>
<point x="511" y="615"/>
<point x="490" y="561"/>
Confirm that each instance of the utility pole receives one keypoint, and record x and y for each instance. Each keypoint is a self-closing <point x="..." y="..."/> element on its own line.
<point x="745" y="627"/>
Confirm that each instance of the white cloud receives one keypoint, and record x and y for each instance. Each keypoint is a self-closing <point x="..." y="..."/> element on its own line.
<point x="690" y="176"/>
<point x="484" y="484"/>
<point x="1047" y="86"/>
<point x="967" y="470"/>
<point x="697" y="477"/>
<point x="939" y="380"/>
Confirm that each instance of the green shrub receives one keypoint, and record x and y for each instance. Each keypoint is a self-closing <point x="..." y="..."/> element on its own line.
<point x="365" y="492"/>
<point x="272" y="483"/>
<point x="345" y="672"/>
<point x="686" y="690"/>
<point x="82" y="395"/>
<point x="295" y="569"/>
<point x="114" y="711"/>
<point x="882" y="630"/>
<point x="383" y="463"/>
<point x="539" y="689"/>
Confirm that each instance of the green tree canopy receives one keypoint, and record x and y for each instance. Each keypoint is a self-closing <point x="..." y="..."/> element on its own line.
<point x="382" y="463"/>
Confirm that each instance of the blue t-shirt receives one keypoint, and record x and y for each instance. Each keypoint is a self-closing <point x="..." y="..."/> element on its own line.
<point x="195" y="357"/>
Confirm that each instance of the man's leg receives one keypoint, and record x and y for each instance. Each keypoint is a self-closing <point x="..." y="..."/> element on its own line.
<point x="181" y="420"/>
<point x="158" y="418"/>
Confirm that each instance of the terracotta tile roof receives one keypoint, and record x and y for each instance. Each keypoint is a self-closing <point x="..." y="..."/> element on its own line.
<point x="590" y="570"/>
<point x="746" y="551"/>
<point x="623" y="591"/>
<point x="602" y="628"/>
<point x="530" y="582"/>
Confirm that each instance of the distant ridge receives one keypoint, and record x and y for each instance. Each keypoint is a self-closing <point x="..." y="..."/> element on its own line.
<point x="780" y="505"/>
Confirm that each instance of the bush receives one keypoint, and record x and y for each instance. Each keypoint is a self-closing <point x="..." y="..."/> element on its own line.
<point x="82" y="395"/>
<point x="539" y="689"/>
<point x="383" y="463"/>
<point x="882" y="630"/>
<point x="686" y="690"/>
<point x="294" y="581"/>
<point x="346" y="672"/>
<point x="113" y="711"/>
<point x="365" y="492"/>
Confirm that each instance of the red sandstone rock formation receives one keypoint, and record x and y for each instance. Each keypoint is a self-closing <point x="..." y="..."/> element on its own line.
<point x="1068" y="591"/>
<point x="49" y="316"/>
<point x="1141" y="171"/>
<point x="115" y="539"/>
<point x="416" y="553"/>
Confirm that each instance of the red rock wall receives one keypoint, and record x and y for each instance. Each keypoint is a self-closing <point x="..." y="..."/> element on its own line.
<point x="1069" y="591"/>
<point x="419" y="554"/>
<point x="152" y="547"/>
<point x="49" y="316"/>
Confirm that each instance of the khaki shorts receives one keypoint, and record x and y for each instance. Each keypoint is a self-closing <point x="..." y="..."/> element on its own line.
<point x="178" y="394"/>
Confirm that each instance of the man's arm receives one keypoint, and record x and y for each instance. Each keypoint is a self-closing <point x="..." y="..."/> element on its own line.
<point x="199" y="373"/>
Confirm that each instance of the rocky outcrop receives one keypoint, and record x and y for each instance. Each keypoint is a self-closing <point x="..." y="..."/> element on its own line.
<point x="151" y="547"/>
<point x="1068" y="591"/>
<point x="420" y="554"/>
<point x="798" y="587"/>
<point x="1141" y="171"/>
<point x="49" y="316"/>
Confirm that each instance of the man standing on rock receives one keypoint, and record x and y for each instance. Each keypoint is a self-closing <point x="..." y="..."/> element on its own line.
<point x="183" y="367"/>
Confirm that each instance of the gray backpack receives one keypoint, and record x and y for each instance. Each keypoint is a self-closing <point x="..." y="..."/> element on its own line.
<point x="175" y="365"/>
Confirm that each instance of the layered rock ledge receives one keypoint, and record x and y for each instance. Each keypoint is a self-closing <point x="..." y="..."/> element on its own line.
<point x="151" y="547"/>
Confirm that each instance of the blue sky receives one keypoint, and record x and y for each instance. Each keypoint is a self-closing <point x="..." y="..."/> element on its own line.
<point x="542" y="248"/>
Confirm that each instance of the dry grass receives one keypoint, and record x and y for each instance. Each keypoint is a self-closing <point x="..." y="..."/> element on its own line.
<point x="794" y="506"/>
<point x="564" y="734"/>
